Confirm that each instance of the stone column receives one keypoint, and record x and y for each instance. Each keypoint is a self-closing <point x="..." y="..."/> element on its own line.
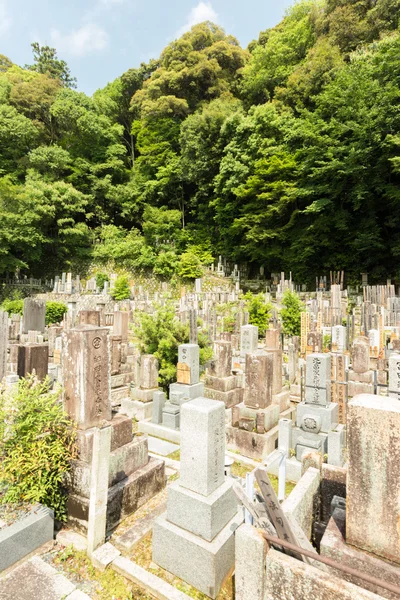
<point x="86" y="375"/>
<point x="258" y="380"/>
<point x="3" y="343"/>
<point x="248" y="339"/>
<point x="221" y="365"/>
<point x="360" y="355"/>
<point x="373" y="477"/>
<point x="188" y="364"/>
<point x="121" y="324"/>
<point x="99" y="488"/>
<point x="394" y="376"/>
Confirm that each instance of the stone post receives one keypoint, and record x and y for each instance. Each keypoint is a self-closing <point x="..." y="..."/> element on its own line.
<point x="248" y="339"/>
<point x="89" y="317"/>
<point x="121" y="324"/>
<point x="99" y="488"/>
<point x="394" y="376"/>
<point x="3" y="343"/>
<point x="373" y="477"/>
<point x="188" y="364"/>
<point x="33" y="358"/>
<point x="221" y="365"/>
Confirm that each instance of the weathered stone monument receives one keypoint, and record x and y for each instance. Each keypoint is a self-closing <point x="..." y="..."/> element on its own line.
<point x="317" y="428"/>
<point x="3" y="343"/>
<point x="34" y="317"/>
<point x="194" y="539"/>
<point x="220" y="383"/>
<point x="132" y="477"/>
<point x="140" y="403"/>
<point x="33" y="359"/>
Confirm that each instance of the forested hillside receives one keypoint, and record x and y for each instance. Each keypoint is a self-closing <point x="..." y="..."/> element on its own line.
<point x="285" y="154"/>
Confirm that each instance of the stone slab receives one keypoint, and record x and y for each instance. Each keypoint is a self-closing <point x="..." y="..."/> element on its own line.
<point x="159" y="431"/>
<point x="288" y="578"/>
<point x="121" y="434"/>
<point x="203" y="516"/>
<point x="35" y="579"/>
<point x="222" y="384"/>
<point x="204" y="565"/>
<point x="136" y="409"/>
<point x="333" y="545"/>
<point x="24" y="536"/>
<point x="104" y="555"/>
<point x="161" y="446"/>
<point x="158" y="588"/>
<point x="139" y="529"/>
<point x="250" y="554"/>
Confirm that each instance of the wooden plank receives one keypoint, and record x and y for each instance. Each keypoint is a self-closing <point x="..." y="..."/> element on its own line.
<point x="257" y="511"/>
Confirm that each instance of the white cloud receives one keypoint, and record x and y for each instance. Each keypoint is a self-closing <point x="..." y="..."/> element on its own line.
<point x="86" y="39"/>
<point x="5" y="19"/>
<point x="198" y="14"/>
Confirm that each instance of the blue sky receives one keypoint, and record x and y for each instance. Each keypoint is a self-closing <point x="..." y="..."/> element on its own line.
<point x="100" y="39"/>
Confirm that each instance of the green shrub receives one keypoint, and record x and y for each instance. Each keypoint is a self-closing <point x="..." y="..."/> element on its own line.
<point x="161" y="334"/>
<point x="190" y="266"/>
<point x="36" y="446"/>
<point x="166" y="264"/>
<point x="13" y="306"/>
<point x="121" y="289"/>
<point x="291" y="313"/>
<point x="55" y="312"/>
<point x="101" y="278"/>
<point x="259" y="311"/>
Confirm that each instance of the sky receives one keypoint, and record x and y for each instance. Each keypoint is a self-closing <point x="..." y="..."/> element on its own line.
<point x="100" y="39"/>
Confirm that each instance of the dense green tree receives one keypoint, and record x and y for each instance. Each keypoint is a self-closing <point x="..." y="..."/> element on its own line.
<point x="45" y="61"/>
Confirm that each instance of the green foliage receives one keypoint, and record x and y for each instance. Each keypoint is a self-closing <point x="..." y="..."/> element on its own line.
<point x="121" y="289"/>
<point x="292" y="307"/>
<point x="13" y="307"/>
<point x="36" y="446"/>
<point x="285" y="155"/>
<point x="259" y="311"/>
<point x="46" y="61"/>
<point x="190" y="266"/>
<point x="101" y="279"/>
<point x="55" y="312"/>
<point x="161" y="334"/>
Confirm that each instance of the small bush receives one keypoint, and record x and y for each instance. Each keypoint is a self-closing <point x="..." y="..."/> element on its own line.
<point x="55" y="312"/>
<point x="259" y="311"/>
<point x="15" y="307"/>
<point x="121" y="290"/>
<point x="101" y="278"/>
<point x="190" y="266"/>
<point x="36" y="446"/>
<point x="291" y="313"/>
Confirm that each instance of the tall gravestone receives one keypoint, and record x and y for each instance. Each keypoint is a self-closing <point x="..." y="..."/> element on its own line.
<point x="394" y="376"/>
<point x="86" y="376"/>
<point x="194" y="539"/>
<point x="34" y="317"/>
<point x="248" y="339"/>
<point x="373" y="477"/>
<point x="3" y="343"/>
<point x="33" y="359"/>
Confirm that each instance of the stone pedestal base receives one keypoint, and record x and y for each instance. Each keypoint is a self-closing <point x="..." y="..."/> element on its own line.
<point x="230" y="398"/>
<point x="136" y="409"/>
<point x="124" y="498"/>
<point x="204" y="565"/>
<point x="118" y="394"/>
<point x="250" y="444"/>
<point x="282" y="400"/>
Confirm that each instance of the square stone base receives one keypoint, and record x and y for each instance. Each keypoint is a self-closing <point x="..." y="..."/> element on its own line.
<point x="204" y="565"/>
<point x="231" y="398"/>
<point x="124" y="498"/>
<point x="204" y="516"/>
<point x="326" y="415"/>
<point x="136" y="409"/>
<point x="143" y="395"/>
<point x="250" y="444"/>
<point x="282" y="400"/>
<point x="222" y="384"/>
<point x="117" y="394"/>
<point x="333" y="545"/>
<point x="196" y="390"/>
